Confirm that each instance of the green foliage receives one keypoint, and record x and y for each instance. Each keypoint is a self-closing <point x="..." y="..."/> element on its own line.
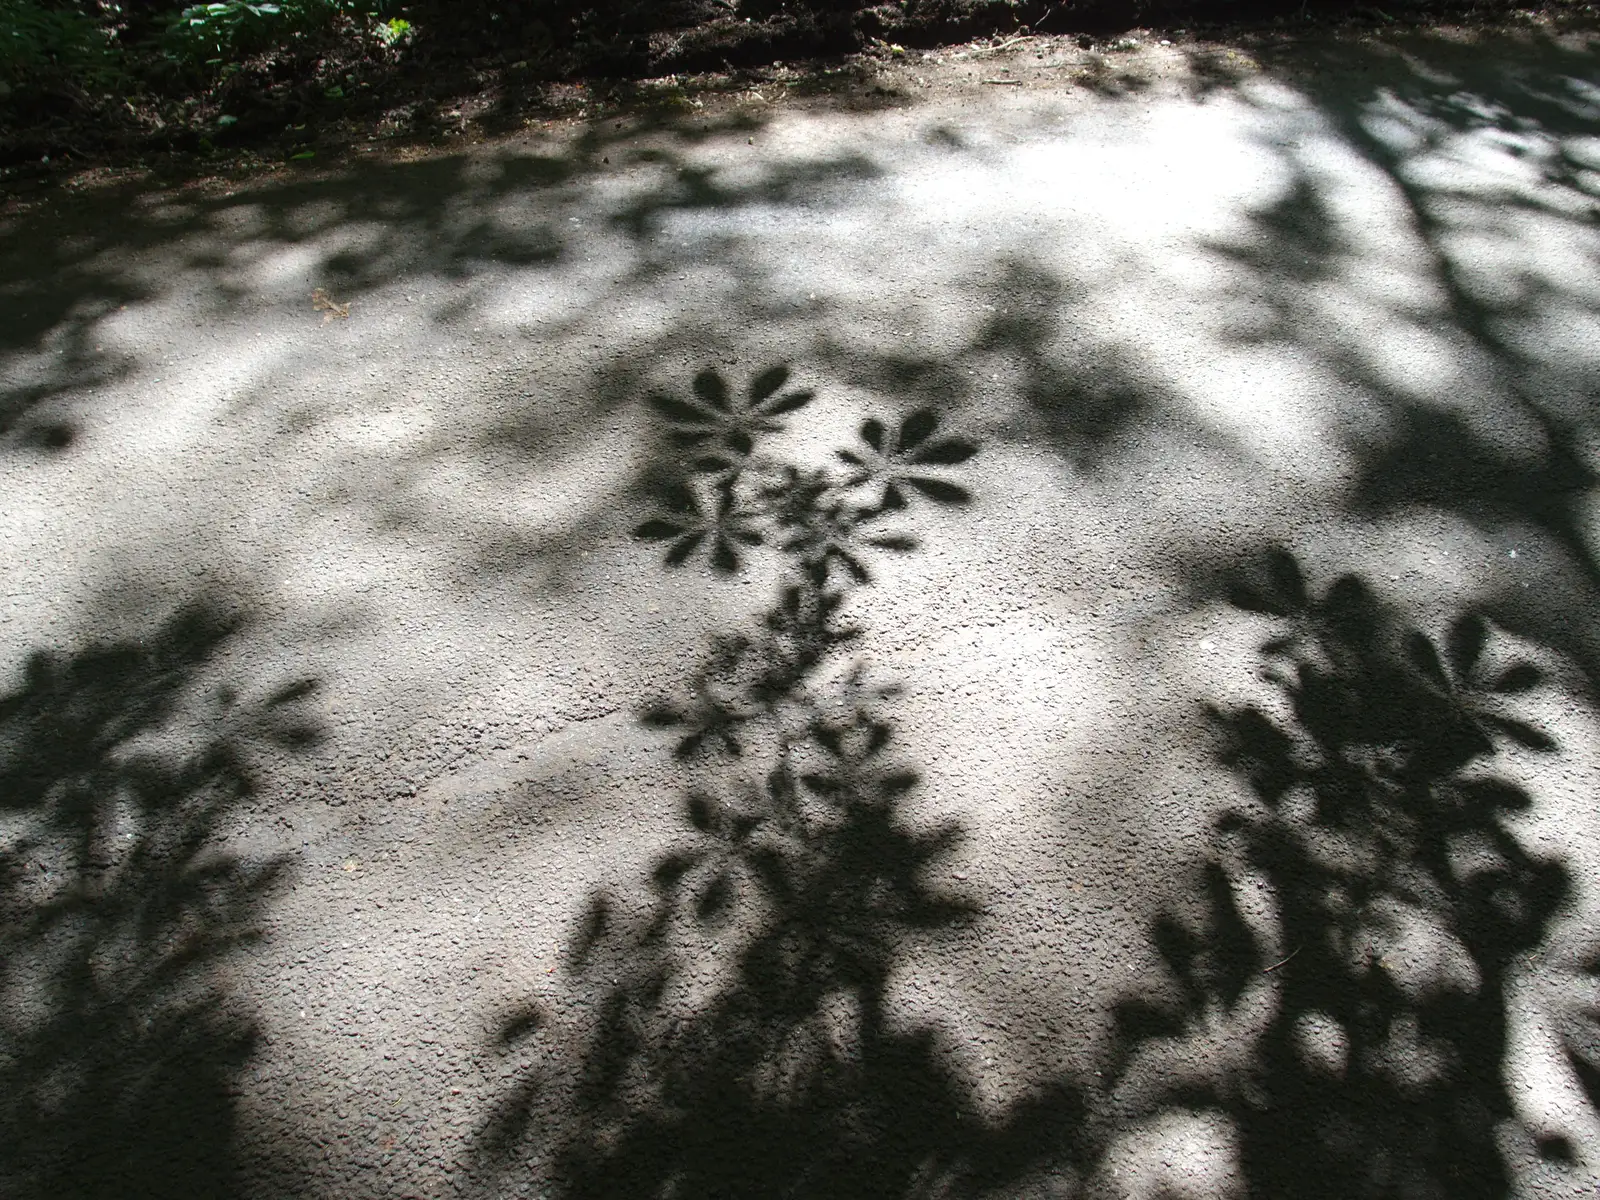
<point x="63" y="37"/>
<point x="209" y="34"/>
<point x="79" y="38"/>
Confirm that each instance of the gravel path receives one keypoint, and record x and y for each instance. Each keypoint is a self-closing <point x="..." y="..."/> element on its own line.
<point x="1203" y="807"/>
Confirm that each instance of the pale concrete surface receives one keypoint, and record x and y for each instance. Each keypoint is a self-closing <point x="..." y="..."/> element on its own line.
<point x="1343" y="301"/>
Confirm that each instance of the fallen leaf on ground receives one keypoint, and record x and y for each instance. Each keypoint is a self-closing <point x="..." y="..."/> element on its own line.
<point x="328" y="306"/>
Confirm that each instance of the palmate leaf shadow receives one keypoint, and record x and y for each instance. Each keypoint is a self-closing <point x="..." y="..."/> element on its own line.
<point x="743" y="1044"/>
<point x="1365" y="915"/>
<point x="824" y="520"/>
<point x="117" y="1047"/>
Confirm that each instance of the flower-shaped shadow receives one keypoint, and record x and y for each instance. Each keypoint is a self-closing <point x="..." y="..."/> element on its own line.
<point x="823" y="520"/>
<point x="716" y="521"/>
<point x="894" y="460"/>
<point x="822" y="529"/>
<point x="726" y="427"/>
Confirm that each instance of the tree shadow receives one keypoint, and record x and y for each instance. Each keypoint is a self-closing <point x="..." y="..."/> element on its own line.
<point x="745" y="1041"/>
<point x="118" y="1043"/>
<point x="66" y="273"/>
<point x="1345" y="999"/>
<point x="1509" y="448"/>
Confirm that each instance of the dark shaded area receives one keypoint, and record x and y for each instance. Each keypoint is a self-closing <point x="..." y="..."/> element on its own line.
<point x="642" y="38"/>
<point x="344" y="72"/>
<point x="118" y="1048"/>
<point x="1398" y="901"/>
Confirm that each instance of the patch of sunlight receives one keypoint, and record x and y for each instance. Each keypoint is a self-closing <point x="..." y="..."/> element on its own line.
<point x="1178" y="1155"/>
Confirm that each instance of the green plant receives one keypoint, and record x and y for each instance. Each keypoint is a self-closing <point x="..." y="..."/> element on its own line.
<point x="37" y="37"/>
<point x="209" y="34"/>
<point x="206" y="32"/>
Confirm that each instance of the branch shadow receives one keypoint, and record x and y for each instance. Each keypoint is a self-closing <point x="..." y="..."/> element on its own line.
<point x="118" y="1043"/>
<point x="1344" y="1002"/>
<point x="745" y="1041"/>
<point x="1510" y="447"/>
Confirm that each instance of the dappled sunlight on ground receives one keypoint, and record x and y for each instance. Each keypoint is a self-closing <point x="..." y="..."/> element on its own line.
<point x="1225" y="663"/>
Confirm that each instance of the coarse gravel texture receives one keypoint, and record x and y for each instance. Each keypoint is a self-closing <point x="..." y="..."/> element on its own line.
<point x="337" y="859"/>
